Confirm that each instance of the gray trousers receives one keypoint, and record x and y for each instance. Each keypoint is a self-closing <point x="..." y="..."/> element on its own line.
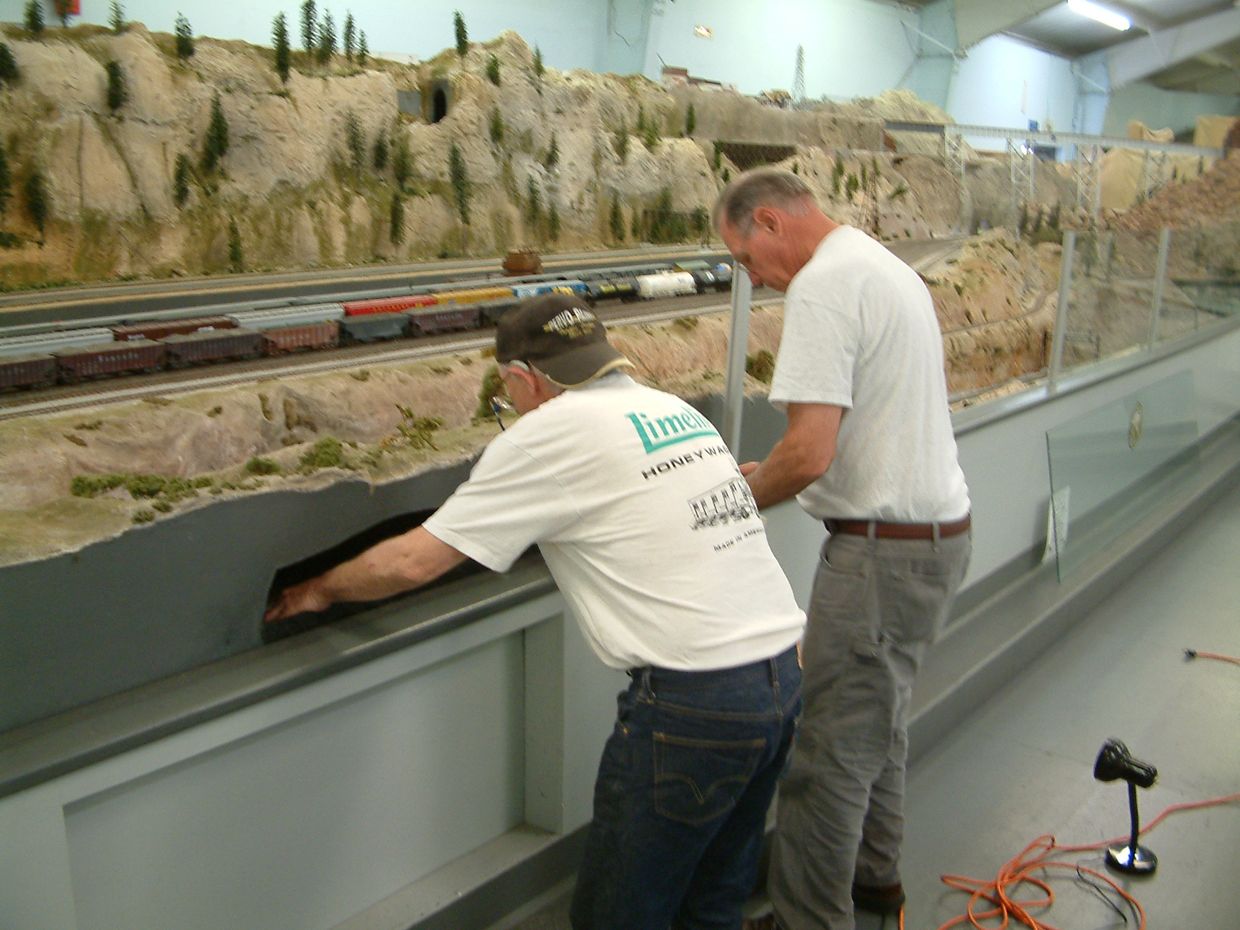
<point x="877" y="604"/>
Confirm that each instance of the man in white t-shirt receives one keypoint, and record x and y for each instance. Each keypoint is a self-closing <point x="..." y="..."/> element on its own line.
<point x="649" y="529"/>
<point x="869" y="450"/>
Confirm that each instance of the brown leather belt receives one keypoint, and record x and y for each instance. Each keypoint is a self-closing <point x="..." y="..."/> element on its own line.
<point x="898" y="530"/>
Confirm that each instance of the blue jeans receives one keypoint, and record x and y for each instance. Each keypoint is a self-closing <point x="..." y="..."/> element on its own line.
<point x="680" y="803"/>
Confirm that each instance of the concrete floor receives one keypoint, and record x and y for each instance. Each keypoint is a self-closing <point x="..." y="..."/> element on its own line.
<point x="1021" y="765"/>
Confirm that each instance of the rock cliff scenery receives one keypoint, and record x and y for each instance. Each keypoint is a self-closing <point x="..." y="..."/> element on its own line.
<point x="129" y="156"/>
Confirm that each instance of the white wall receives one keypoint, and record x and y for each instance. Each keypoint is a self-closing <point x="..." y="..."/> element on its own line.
<point x="1159" y="108"/>
<point x="1005" y="83"/>
<point x="852" y="47"/>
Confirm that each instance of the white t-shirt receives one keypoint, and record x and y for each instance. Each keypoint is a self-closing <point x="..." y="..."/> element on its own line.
<point x="860" y="333"/>
<point x="644" y="520"/>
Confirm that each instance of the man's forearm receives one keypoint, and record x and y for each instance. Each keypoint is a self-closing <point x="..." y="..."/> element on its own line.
<point x="383" y="570"/>
<point x="780" y="476"/>
<point x="391" y="567"/>
<point x="801" y="457"/>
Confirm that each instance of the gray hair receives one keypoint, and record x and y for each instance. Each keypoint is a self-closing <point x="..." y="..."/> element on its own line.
<point x="761" y="187"/>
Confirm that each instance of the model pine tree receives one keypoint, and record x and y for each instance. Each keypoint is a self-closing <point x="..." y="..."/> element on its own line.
<point x="185" y="38"/>
<point x="5" y="181"/>
<point x="117" y="94"/>
<point x="216" y="146"/>
<point x="9" y="73"/>
<point x="460" y="181"/>
<point x="349" y="36"/>
<point x="34" y="18"/>
<point x="309" y="20"/>
<point x="279" y="41"/>
<point x="36" y="201"/>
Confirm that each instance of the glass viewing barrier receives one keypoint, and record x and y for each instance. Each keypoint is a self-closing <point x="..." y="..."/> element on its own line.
<point x="1124" y="291"/>
<point x="1107" y="466"/>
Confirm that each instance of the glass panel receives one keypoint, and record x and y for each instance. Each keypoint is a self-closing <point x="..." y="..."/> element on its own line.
<point x="1203" y="278"/>
<point x="1112" y="293"/>
<point x="1107" y="466"/>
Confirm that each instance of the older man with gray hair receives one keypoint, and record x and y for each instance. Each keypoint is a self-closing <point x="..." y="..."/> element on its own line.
<point x="869" y="450"/>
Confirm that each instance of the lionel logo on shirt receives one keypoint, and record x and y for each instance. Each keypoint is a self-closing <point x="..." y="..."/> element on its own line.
<point x="659" y="432"/>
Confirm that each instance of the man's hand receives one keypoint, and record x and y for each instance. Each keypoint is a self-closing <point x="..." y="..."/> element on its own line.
<point x="801" y="456"/>
<point x="306" y="597"/>
<point x="393" y="566"/>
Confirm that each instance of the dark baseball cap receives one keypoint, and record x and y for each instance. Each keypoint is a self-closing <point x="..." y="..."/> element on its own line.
<point x="560" y="336"/>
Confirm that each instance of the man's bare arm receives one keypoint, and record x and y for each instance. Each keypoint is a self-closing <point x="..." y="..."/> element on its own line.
<point x="802" y="455"/>
<point x="399" y="564"/>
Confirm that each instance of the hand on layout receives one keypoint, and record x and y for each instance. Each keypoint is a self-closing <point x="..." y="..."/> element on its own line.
<point x="299" y="599"/>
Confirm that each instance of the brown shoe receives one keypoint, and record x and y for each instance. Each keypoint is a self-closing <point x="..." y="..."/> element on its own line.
<point x="878" y="899"/>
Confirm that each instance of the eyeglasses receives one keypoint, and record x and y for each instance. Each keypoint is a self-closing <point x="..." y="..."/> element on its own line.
<point x="500" y="406"/>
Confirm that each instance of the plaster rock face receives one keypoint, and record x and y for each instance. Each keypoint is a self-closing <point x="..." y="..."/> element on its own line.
<point x="289" y="179"/>
<point x="305" y="242"/>
<point x="106" y="187"/>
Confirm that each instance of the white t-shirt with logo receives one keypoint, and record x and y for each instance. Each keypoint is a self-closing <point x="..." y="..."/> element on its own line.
<point x="860" y="333"/>
<point x="644" y="520"/>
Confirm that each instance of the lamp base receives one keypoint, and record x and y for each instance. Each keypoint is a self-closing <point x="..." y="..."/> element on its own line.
<point x="1134" y="861"/>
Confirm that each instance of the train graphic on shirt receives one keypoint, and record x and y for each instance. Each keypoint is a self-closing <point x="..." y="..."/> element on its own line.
<point x="730" y="502"/>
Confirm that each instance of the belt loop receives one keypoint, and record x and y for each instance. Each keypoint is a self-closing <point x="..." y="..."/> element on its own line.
<point x="647" y="691"/>
<point x="871" y="530"/>
<point x="934" y="533"/>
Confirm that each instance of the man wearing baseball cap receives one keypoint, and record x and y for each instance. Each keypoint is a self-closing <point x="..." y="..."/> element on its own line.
<point x="651" y="534"/>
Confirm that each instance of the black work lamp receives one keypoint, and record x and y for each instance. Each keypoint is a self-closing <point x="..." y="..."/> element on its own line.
<point x="1116" y="762"/>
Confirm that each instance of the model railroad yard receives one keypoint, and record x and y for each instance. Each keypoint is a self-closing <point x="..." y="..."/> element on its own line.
<point x="105" y="355"/>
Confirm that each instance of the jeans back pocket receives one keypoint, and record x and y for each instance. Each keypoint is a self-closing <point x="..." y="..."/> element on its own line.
<point x="697" y="780"/>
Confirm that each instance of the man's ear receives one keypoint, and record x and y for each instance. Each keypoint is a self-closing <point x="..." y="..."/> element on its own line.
<point x="768" y="218"/>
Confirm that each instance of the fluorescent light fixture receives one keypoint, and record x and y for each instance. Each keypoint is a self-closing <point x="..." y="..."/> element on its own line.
<point x="1100" y="14"/>
<point x="703" y="32"/>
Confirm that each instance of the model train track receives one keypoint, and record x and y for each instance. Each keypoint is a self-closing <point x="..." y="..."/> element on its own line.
<point x="104" y="304"/>
<point x="171" y="383"/>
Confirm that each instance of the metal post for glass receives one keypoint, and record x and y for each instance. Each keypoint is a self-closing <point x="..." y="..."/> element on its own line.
<point x="1061" y="312"/>
<point x="738" y="341"/>
<point x="1160" y="281"/>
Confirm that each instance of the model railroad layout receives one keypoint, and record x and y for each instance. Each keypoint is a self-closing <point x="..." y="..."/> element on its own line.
<point x="72" y="355"/>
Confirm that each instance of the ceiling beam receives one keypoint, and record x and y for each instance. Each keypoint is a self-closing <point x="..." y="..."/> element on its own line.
<point x="1141" y="57"/>
<point x="978" y="19"/>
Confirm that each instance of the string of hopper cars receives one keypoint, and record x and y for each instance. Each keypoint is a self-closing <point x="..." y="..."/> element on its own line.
<point x="72" y="355"/>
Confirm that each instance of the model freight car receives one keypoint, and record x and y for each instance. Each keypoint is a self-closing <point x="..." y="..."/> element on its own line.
<point x="426" y="321"/>
<point x="388" y="304"/>
<point x="221" y="345"/>
<point x="27" y="371"/>
<point x="110" y="358"/>
<point x="284" y="339"/>
<point x="624" y="289"/>
<point x="162" y="329"/>
<point x="373" y="327"/>
<point x="665" y="284"/>
<point x="48" y="343"/>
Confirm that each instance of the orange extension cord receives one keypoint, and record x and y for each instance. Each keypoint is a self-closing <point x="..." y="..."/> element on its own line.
<point x="1196" y="654"/>
<point x="1038" y="856"/>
